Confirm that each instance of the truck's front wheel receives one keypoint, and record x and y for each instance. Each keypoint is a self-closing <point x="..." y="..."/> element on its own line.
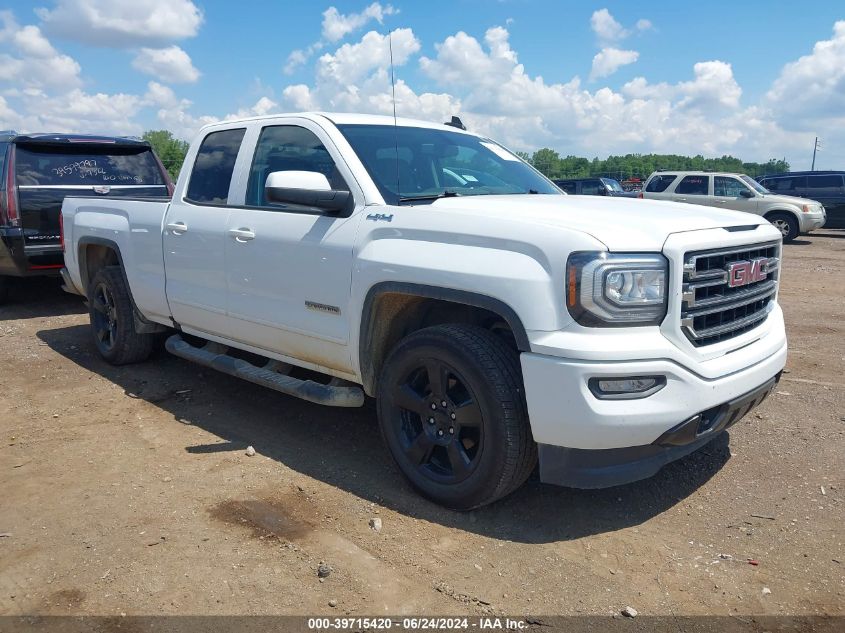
<point x="452" y="412"/>
<point x="112" y="319"/>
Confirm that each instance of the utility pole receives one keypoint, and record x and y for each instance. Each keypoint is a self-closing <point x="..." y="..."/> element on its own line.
<point x="816" y="147"/>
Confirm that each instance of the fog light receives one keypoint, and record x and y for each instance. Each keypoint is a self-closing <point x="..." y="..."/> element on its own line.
<point x="627" y="387"/>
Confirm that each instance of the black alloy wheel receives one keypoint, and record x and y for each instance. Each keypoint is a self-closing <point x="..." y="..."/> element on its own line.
<point x="440" y="428"/>
<point x="452" y="412"/>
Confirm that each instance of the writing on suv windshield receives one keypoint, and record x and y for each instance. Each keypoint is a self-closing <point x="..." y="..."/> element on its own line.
<point x="410" y="164"/>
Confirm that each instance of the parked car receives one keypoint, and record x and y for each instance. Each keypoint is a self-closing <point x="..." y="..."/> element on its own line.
<point x="828" y="187"/>
<point x="792" y="216"/>
<point x="496" y="322"/>
<point x="39" y="170"/>
<point x="594" y="187"/>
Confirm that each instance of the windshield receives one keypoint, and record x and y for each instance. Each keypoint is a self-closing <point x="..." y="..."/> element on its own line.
<point x="411" y="164"/>
<point x="756" y="186"/>
<point x="612" y="184"/>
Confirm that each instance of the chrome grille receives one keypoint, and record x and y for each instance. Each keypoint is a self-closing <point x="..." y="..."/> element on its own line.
<point x="718" y="301"/>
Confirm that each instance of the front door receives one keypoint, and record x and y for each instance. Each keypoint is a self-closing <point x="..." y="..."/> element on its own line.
<point x="728" y="194"/>
<point x="194" y="236"/>
<point x="289" y="268"/>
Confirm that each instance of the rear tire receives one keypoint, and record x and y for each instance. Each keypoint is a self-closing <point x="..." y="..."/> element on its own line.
<point x="113" y="319"/>
<point x="452" y="412"/>
<point x="785" y="223"/>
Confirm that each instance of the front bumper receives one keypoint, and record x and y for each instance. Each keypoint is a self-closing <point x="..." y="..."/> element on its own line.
<point x="812" y="221"/>
<point x="583" y="468"/>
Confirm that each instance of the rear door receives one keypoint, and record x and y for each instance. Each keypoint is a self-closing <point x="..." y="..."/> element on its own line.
<point x="826" y="189"/>
<point x="47" y="172"/>
<point x="693" y="189"/>
<point x="194" y="235"/>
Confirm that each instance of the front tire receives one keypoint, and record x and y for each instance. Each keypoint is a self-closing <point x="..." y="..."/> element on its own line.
<point x="452" y="412"/>
<point x="786" y="224"/>
<point x="112" y="319"/>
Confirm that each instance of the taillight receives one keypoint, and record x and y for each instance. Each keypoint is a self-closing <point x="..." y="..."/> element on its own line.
<point x="62" y="230"/>
<point x="167" y="180"/>
<point x="640" y="195"/>
<point x="10" y="208"/>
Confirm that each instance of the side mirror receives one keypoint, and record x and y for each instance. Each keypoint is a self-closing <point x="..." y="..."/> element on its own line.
<point x="745" y="193"/>
<point x="304" y="188"/>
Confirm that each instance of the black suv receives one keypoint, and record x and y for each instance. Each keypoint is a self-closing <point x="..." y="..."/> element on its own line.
<point x="827" y="187"/>
<point x="594" y="187"/>
<point x="38" y="170"/>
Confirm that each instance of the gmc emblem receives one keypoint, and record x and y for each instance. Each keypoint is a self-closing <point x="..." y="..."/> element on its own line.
<point x="743" y="273"/>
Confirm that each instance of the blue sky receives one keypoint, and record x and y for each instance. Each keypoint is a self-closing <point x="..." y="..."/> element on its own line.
<point x="753" y="79"/>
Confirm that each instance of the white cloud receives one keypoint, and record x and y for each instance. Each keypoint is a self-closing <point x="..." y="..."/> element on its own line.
<point x="714" y="86"/>
<point x="171" y="64"/>
<point x="352" y="62"/>
<point x="31" y="61"/>
<point x="809" y="94"/>
<point x="643" y="25"/>
<point x="122" y="23"/>
<point x="336" y="26"/>
<point x="608" y="60"/>
<point x="296" y="59"/>
<point x="606" y="28"/>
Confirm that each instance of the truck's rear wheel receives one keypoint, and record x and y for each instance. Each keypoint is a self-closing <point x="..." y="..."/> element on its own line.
<point x="785" y="223"/>
<point x="452" y="412"/>
<point x="112" y="319"/>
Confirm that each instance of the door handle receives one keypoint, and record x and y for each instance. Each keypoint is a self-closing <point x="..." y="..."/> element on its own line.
<point x="242" y="234"/>
<point x="177" y="228"/>
<point x="722" y="201"/>
<point x="680" y="199"/>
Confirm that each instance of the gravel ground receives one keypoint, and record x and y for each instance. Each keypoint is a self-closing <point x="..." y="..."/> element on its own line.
<point x="130" y="491"/>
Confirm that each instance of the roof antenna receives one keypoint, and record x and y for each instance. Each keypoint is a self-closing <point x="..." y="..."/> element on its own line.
<point x="395" y="125"/>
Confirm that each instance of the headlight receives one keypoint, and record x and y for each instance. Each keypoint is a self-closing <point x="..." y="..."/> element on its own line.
<point x="616" y="290"/>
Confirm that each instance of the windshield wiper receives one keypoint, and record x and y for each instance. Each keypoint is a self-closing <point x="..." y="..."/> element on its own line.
<point x="433" y="196"/>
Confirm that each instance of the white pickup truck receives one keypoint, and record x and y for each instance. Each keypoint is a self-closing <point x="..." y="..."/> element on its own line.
<point x="497" y="321"/>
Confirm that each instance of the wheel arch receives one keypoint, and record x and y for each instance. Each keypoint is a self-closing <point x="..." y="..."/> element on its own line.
<point x="392" y="310"/>
<point x="793" y="212"/>
<point x="95" y="253"/>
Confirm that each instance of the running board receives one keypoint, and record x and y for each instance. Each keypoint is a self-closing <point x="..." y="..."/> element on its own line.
<point x="214" y="355"/>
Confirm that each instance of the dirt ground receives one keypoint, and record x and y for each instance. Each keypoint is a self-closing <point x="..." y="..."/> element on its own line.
<point x="128" y="491"/>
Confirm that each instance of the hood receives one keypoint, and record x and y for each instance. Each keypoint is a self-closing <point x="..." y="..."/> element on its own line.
<point x="776" y="197"/>
<point x="622" y="224"/>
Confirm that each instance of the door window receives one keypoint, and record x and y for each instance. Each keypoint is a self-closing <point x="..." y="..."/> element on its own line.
<point x="658" y="184"/>
<point x="786" y="184"/>
<point x="590" y="187"/>
<point x="728" y="187"/>
<point x="289" y="148"/>
<point x="693" y="186"/>
<point x="567" y="186"/>
<point x="824" y="182"/>
<point x="214" y="166"/>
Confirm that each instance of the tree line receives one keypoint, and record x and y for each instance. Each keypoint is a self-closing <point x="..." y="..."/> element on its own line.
<point x="172" y="152"/>
<point x="552" y="165"/>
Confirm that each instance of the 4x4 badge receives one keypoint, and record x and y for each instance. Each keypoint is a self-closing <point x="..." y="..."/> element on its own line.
<point x="375" y="217"/>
